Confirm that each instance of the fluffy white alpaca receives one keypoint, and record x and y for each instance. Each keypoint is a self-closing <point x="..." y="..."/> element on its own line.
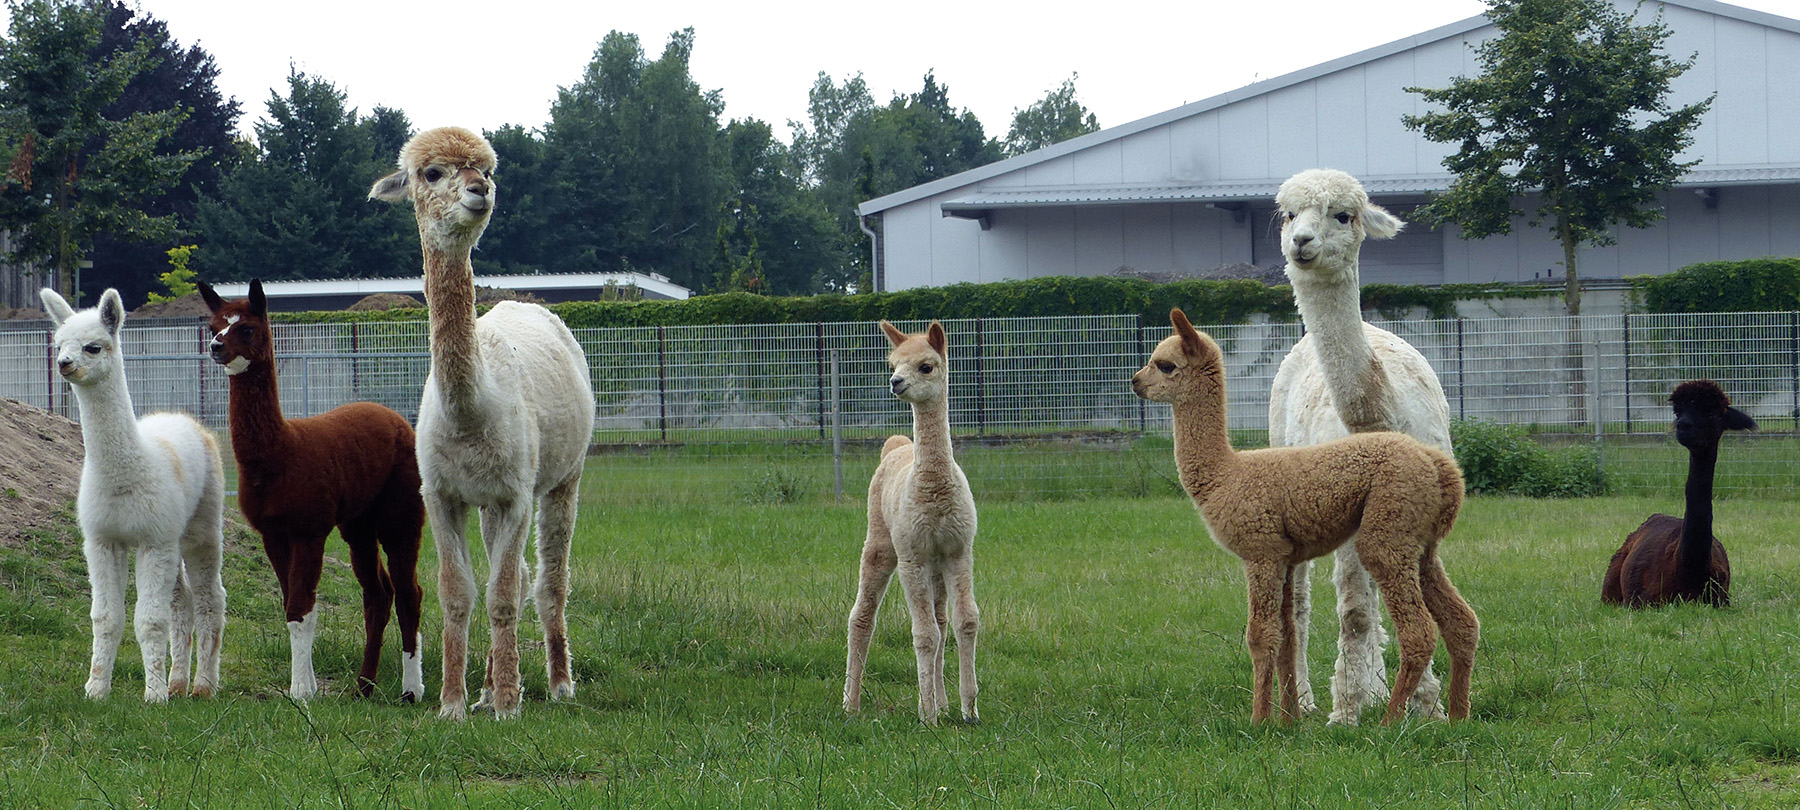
<point x="921" y="521"/>
<point x="153" y="487"/>
<point x="1346" y="376"/>
<point x="504" y="426"/>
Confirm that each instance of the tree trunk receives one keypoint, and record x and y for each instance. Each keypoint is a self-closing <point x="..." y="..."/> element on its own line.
<point x="1571" y="276"/>
<point x="1575" y="358"/>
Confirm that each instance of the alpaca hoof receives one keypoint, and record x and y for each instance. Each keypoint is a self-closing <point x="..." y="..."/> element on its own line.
<point x="1343" y="717"/>
<point x="971" y="720"/>
<point x="563" y="691"/>
<point x="453" y="711"/>
<point x="98" y="690"/>
<point x="178" y="688"/>
<point x="203" y="691"/>
<point x="408" y="697"/>
<point x="155" y="695"/>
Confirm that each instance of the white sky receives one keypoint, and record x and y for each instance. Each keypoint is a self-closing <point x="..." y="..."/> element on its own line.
<point x="485" y="64"/>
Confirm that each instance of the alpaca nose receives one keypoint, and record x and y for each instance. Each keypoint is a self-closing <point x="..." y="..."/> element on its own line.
<point x="479" y="187"/>
<point x="1302" y="239"/>
<point x="217" y="349"/>
<point x="64" y="364"/>
<point x="897" y="383"/>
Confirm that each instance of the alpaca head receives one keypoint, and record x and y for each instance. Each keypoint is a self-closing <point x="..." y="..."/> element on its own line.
<point x="1703" y="413"/>
<point x="920" y="362"/>
<point x="448" y="173"/>
<point x="240" y="330"/>
<point x="1186" y="366"/>
<point x="87" y="343"/>
<point x="1325" y="215"/>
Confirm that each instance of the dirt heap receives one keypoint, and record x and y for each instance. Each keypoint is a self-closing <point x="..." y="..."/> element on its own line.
<point x="22" y="314"/>
<point x="40" y="468"/>
<point x="385" y="301"/>
<point x="187" y="306"/>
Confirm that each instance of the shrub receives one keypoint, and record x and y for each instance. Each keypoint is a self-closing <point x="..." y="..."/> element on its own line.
<point x="1751" y="285"/>
<point x="1504" y="460"/>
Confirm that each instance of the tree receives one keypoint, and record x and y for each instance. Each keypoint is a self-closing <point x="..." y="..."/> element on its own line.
<point x="1055" y="118"/>
<point x="771" y="214"/>
<point x="73" y="171"/>
<point x="178" y="79"/>
<point x="296" y="205"/>
<point x="1571" y="104"/>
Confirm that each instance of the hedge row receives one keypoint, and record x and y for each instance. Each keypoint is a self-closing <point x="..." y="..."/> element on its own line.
<point x="1221" y="302"/>
<point x="1751" y="285"/>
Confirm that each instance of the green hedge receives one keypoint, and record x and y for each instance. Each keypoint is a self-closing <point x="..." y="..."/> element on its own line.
<point x="1499" y="459"/>
<point x="1751" y="285"/>
<point x="1216" y="302"/>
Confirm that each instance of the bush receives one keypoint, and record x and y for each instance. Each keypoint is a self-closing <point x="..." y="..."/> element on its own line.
<point x="1751" y="285"/>
<point x="1504" y="460"/>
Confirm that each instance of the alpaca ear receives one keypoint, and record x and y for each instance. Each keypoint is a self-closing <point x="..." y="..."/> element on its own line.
<point x="112" y="311"/>
<point x="391" y="188"/>
<point x="259" y="304"/>
<point x="1379" y="224"/>
<point x="1738" y="420"/>
<point x="894" y="335"/>
<point x="54" y="304"/>
<point x="934" y="336"/>
<point x="210" y="296"/>
<point x="1190" y="339"/>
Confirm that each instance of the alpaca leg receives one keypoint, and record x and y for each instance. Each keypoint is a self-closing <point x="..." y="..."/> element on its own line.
<point x="1302" y="634"/>
<point x="968" y="627"/>
<point x="202" y="548"/>
<point x="108" y="566"/>
<point x="877" y="568"/>
<point x="181" y="634"/>
<point x="156" y="573"/>
<point x="1360" y="675"/>
<point x="402" y="546"/>
<point x="1400" y="588"/>
<point x="940" y="610"/>
<point x="1461" y="631"/>
<point x="1285" y="661"/>
<point x="377" y="602"/>
<point x="306" y="559"/>
<point x="556" y="530"/>
<point x="503" y="530"/>
<point x="456" y="592"/>
<point x="1262" y="633"/>
<point x="928" y="644"/>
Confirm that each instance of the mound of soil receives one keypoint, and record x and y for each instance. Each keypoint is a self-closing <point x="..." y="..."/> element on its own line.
<point x="385" y="301"/>
<point x="187" y="306"/>
<point x="40" y="468"/>
<point x="22" y="314"/>
<point x="494" y="295"/>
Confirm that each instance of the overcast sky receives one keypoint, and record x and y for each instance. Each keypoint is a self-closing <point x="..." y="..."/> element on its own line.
<point x="486" y="64"/>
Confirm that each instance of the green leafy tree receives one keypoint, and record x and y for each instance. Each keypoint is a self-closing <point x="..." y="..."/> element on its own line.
<point x="74" y="172"/>
<point x="1571" y="105"/>
<point x="520" y="229"/>
<point x="295" y="207"/>
<point x="179" y="279"/>
<point x="798" y="246"/>
<point x="1055" y="118"/>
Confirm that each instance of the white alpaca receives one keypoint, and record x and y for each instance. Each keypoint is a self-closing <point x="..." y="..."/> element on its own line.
<point x="504" y="425"/>
<point x="921" y="521"/>
<point x="153" y="487"/>
<point x="1346" y="376"/>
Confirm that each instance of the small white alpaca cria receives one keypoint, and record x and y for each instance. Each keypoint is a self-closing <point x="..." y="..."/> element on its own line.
<point x="153" y="488"/>
<point x="921" y="524"/>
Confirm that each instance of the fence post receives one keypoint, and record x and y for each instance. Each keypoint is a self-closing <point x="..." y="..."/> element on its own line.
<point x="837" y="434"/>
<point x="1461" y="409"/>
<point x="1794" y="362"/>
<point x="1627" y="319"/>
<point x="980" y="380"/>
<point x="819" y="361"/>
<point x="662" y="383"/>
<point x="201" y="368"/>
<point x="355" y="350"/>
<point x="1140" y="358"/>
<point x="50" y="371"/>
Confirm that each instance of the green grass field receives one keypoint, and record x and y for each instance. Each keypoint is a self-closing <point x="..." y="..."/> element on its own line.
<point x="708" y="636"/>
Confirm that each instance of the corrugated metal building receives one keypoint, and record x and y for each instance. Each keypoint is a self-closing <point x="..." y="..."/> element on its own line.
<point x="1192" y="188"/>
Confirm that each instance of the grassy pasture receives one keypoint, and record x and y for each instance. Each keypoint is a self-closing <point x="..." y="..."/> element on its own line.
<point x="708" y="638"/>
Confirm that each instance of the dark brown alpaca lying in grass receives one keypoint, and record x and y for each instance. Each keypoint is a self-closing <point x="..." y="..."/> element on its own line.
<point x="1675" y="559"/>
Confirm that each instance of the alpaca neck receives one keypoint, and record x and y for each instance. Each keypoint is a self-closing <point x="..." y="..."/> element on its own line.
<point x="1203" y="454"/>
<point x="1332" y="311"/>
<point x="109" y="425"/>
<point x="932" y="453"/>
<point x="258" y="429"/>
<point x="455" y="356"/>
<point x="1697" y="524"/>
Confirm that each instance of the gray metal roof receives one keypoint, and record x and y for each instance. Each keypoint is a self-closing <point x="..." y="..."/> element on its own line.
<point x="1238" y="190"/>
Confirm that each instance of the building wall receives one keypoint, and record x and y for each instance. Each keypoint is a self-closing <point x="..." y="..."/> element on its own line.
<point x="1350" y="119"/>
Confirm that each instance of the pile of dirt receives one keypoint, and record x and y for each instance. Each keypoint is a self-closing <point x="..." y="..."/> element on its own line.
<point x="40" y="468"/>
<point x="385" y="301"/>
<point x="187" y="306"/>
<point x="22" y="314"/>
<point x="494" y="295"/>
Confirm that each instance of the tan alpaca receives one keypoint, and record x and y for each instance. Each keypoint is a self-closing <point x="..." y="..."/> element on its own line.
<point x="921" y="523"/>
<point x="1279" y="507"/>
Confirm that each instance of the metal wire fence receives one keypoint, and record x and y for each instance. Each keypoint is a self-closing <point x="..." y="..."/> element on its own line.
<point x="1041" y="407"/>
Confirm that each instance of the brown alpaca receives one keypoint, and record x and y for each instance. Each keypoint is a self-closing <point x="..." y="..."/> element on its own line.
<point x="352" y="467"/>
<point x="1279" y="507"/>
<point x="1675" y="559"/>
<point x="922" y="522"/>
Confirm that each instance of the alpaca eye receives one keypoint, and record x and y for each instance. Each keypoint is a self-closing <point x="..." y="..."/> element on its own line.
<point x="91" y="348"/>
<point x="1165" y="367"/>
<point x="1288" y="215"/>
<point x="1343" y="218"/>
<point x="433" y="174"/>
<point x="924" y="368"/>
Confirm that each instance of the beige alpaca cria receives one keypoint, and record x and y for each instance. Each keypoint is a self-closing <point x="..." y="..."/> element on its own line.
<point x="1279" y="507"/>
<point x="921" y="523"/>
<point x="504" y="425"/>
